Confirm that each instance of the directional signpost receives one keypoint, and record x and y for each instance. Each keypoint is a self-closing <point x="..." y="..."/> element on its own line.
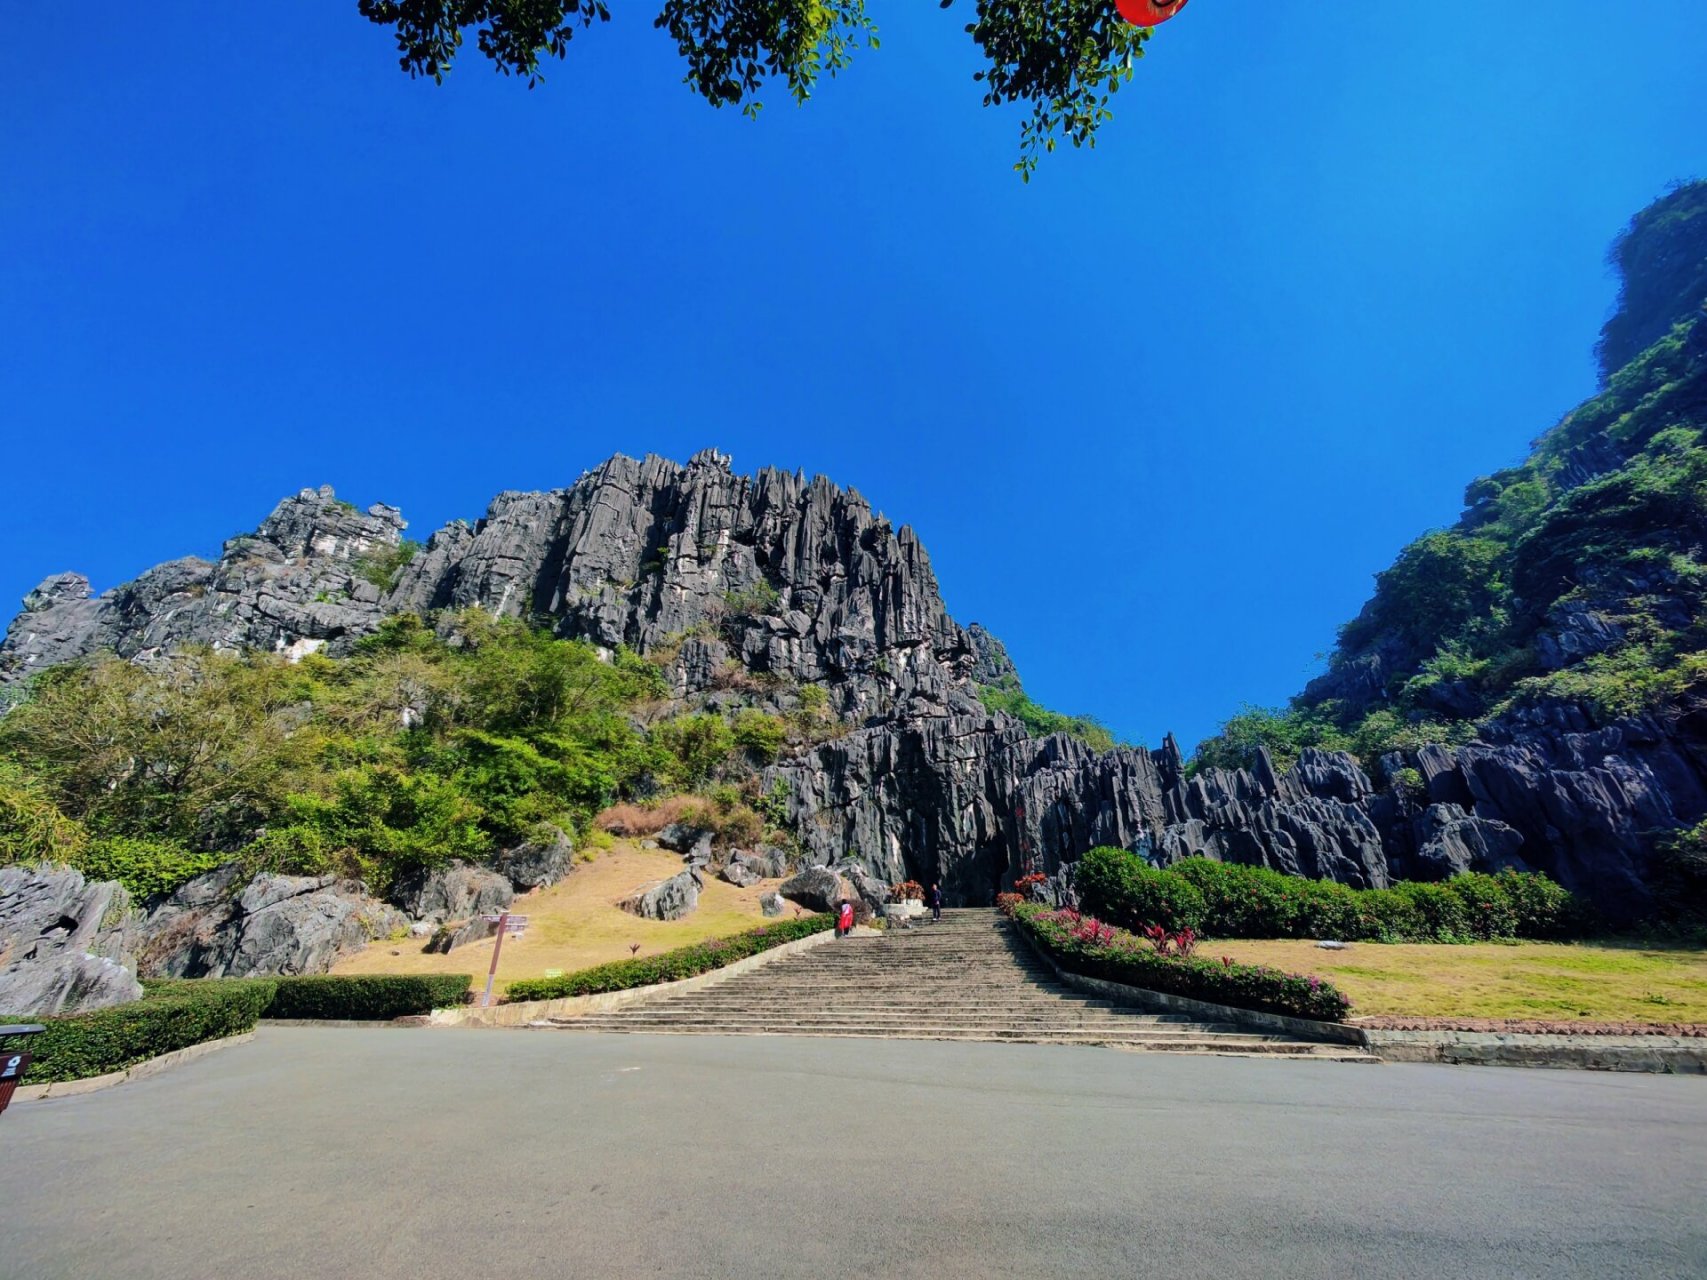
<point x="506" y="923"/>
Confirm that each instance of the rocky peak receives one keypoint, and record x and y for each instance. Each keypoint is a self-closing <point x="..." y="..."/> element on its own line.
<point x="317" y="524"/>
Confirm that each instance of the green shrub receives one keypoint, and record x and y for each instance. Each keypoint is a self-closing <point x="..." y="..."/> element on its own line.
<point x="170" y="1015"/>
<point x="1235" y="901"/>
<point x="760" y="598"/>
<point x="148" y="868"/>
<point x="761" y="736"/>
<point x="1117" y="886"/>
<point x="366" y="998"/>
<point x="671" y="966"/>
<point x="1085" y="945"/>
<point x="693" y="747"/>
<point x="1541" y="908"/>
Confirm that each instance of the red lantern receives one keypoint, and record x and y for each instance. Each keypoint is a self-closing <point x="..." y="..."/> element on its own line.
<point x="1148" y="13"/>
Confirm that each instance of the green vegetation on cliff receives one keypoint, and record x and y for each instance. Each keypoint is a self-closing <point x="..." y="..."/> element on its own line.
<point x="1576" y="576"/>
<point x="419" y="747"/>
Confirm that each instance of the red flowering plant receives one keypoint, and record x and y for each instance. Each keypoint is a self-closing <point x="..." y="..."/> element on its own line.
<point x="1182" y="943"/>
<point x="907" y="891"/>
<point x="1006" y="902"/>
<point x="1083" y="944"/>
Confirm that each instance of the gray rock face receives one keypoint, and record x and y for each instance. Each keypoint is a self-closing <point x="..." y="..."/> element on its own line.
<point x="798" y="577"/>
<point x="275" y="925"/>
<point x="1450" y="841"/>
<point x="538" y="863"/>
<point x="452" y="892"/>
<point x="295" y="585"/>
<point x="771" y="904"/>
<point x="668" y="899"/>
<point x="66" y="945"/>
<point x="773" y="574"/>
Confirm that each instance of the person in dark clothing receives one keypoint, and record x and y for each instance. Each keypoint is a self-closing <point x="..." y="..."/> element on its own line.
<point x="936" y="902"/>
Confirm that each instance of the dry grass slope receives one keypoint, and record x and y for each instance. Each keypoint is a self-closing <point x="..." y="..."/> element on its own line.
<point x="576" y="924"/>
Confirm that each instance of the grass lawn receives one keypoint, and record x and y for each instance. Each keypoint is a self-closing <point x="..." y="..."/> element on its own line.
<point x="1601" y="982"/>
<point x="577" y="924"/>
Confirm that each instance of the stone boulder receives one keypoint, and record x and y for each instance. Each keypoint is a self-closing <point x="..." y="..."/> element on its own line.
<point x="873" y="893"/>
<point x="668" y="899"/>
<point x="816" y="889"/>
<point x="212" y="928"/>
<point x="740" y="874"/>
<point x="682" y="837"/>
<point x="772" y="904"/>
<point x="539" y="862"/>
<point x="768" y="860"/>
<point x="66" y="945"/>
<point x="448" y="937"/>
<point x="452" y="892"/>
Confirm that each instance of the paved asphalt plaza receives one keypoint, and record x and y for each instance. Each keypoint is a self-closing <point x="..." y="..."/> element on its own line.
<point x="374" y="1154"/>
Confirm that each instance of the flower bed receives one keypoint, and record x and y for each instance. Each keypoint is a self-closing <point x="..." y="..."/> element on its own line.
<point x="671" y="966"/>
<point x="1085" y="945"/>
<point x="1226" y="900"/>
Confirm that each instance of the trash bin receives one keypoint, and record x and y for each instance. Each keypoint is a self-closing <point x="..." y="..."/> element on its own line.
<point x="14" y="1060"/>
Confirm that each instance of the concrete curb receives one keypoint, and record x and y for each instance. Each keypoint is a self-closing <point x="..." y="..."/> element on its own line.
<point x="412" y="1020"/>
<point x="1663" y="1055"/>
<point x="141" y="1070"/>
<point x="525" y="1012"/>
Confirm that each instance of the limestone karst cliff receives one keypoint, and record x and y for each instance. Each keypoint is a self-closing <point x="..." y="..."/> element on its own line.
<point x="1524" y="689"/>
<point x="712" y="571"/>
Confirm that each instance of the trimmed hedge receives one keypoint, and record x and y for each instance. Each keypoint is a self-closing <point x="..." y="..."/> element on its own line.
<point x="1227" y="900"/>
<point x="671" y="966"/>
<point x="376" y="997"/>
<point x="1084" y="945"/>
<point x="170" y="1015"/>
<point x="175" y="1013"/>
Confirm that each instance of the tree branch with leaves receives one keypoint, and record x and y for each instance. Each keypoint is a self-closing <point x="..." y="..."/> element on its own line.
<point x="1063" y="58"/>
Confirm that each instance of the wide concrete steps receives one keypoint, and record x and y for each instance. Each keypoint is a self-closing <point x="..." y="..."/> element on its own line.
<point x="964" y="978"/>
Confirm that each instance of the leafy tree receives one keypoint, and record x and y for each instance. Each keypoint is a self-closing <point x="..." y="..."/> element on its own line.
<point x="198" y="749"/>
<point x="1062" y="58"/>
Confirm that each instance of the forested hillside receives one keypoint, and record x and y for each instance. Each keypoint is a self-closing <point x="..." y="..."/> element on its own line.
<point x="1570" y="591"/>
<point x="416" y="749"/>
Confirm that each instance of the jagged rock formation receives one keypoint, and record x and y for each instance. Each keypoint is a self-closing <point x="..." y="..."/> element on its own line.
<point x="215" y="926"/>
<point x="66" y="945"/>
<point x="799" y="580"/>
<point x="452" y="892"/>
<point x="294" y="585"/>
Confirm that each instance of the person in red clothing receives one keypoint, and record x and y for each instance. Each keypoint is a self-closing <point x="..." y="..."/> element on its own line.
<point x="844" y="918"/>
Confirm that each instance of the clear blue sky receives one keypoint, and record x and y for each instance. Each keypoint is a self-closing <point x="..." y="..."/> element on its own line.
<point x="1158" y="416"/>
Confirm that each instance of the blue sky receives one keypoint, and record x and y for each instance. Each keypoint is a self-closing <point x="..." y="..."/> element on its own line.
<point x="1158" y="416"/>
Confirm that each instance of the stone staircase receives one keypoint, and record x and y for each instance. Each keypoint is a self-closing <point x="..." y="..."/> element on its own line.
<point x="967" y="977"/>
